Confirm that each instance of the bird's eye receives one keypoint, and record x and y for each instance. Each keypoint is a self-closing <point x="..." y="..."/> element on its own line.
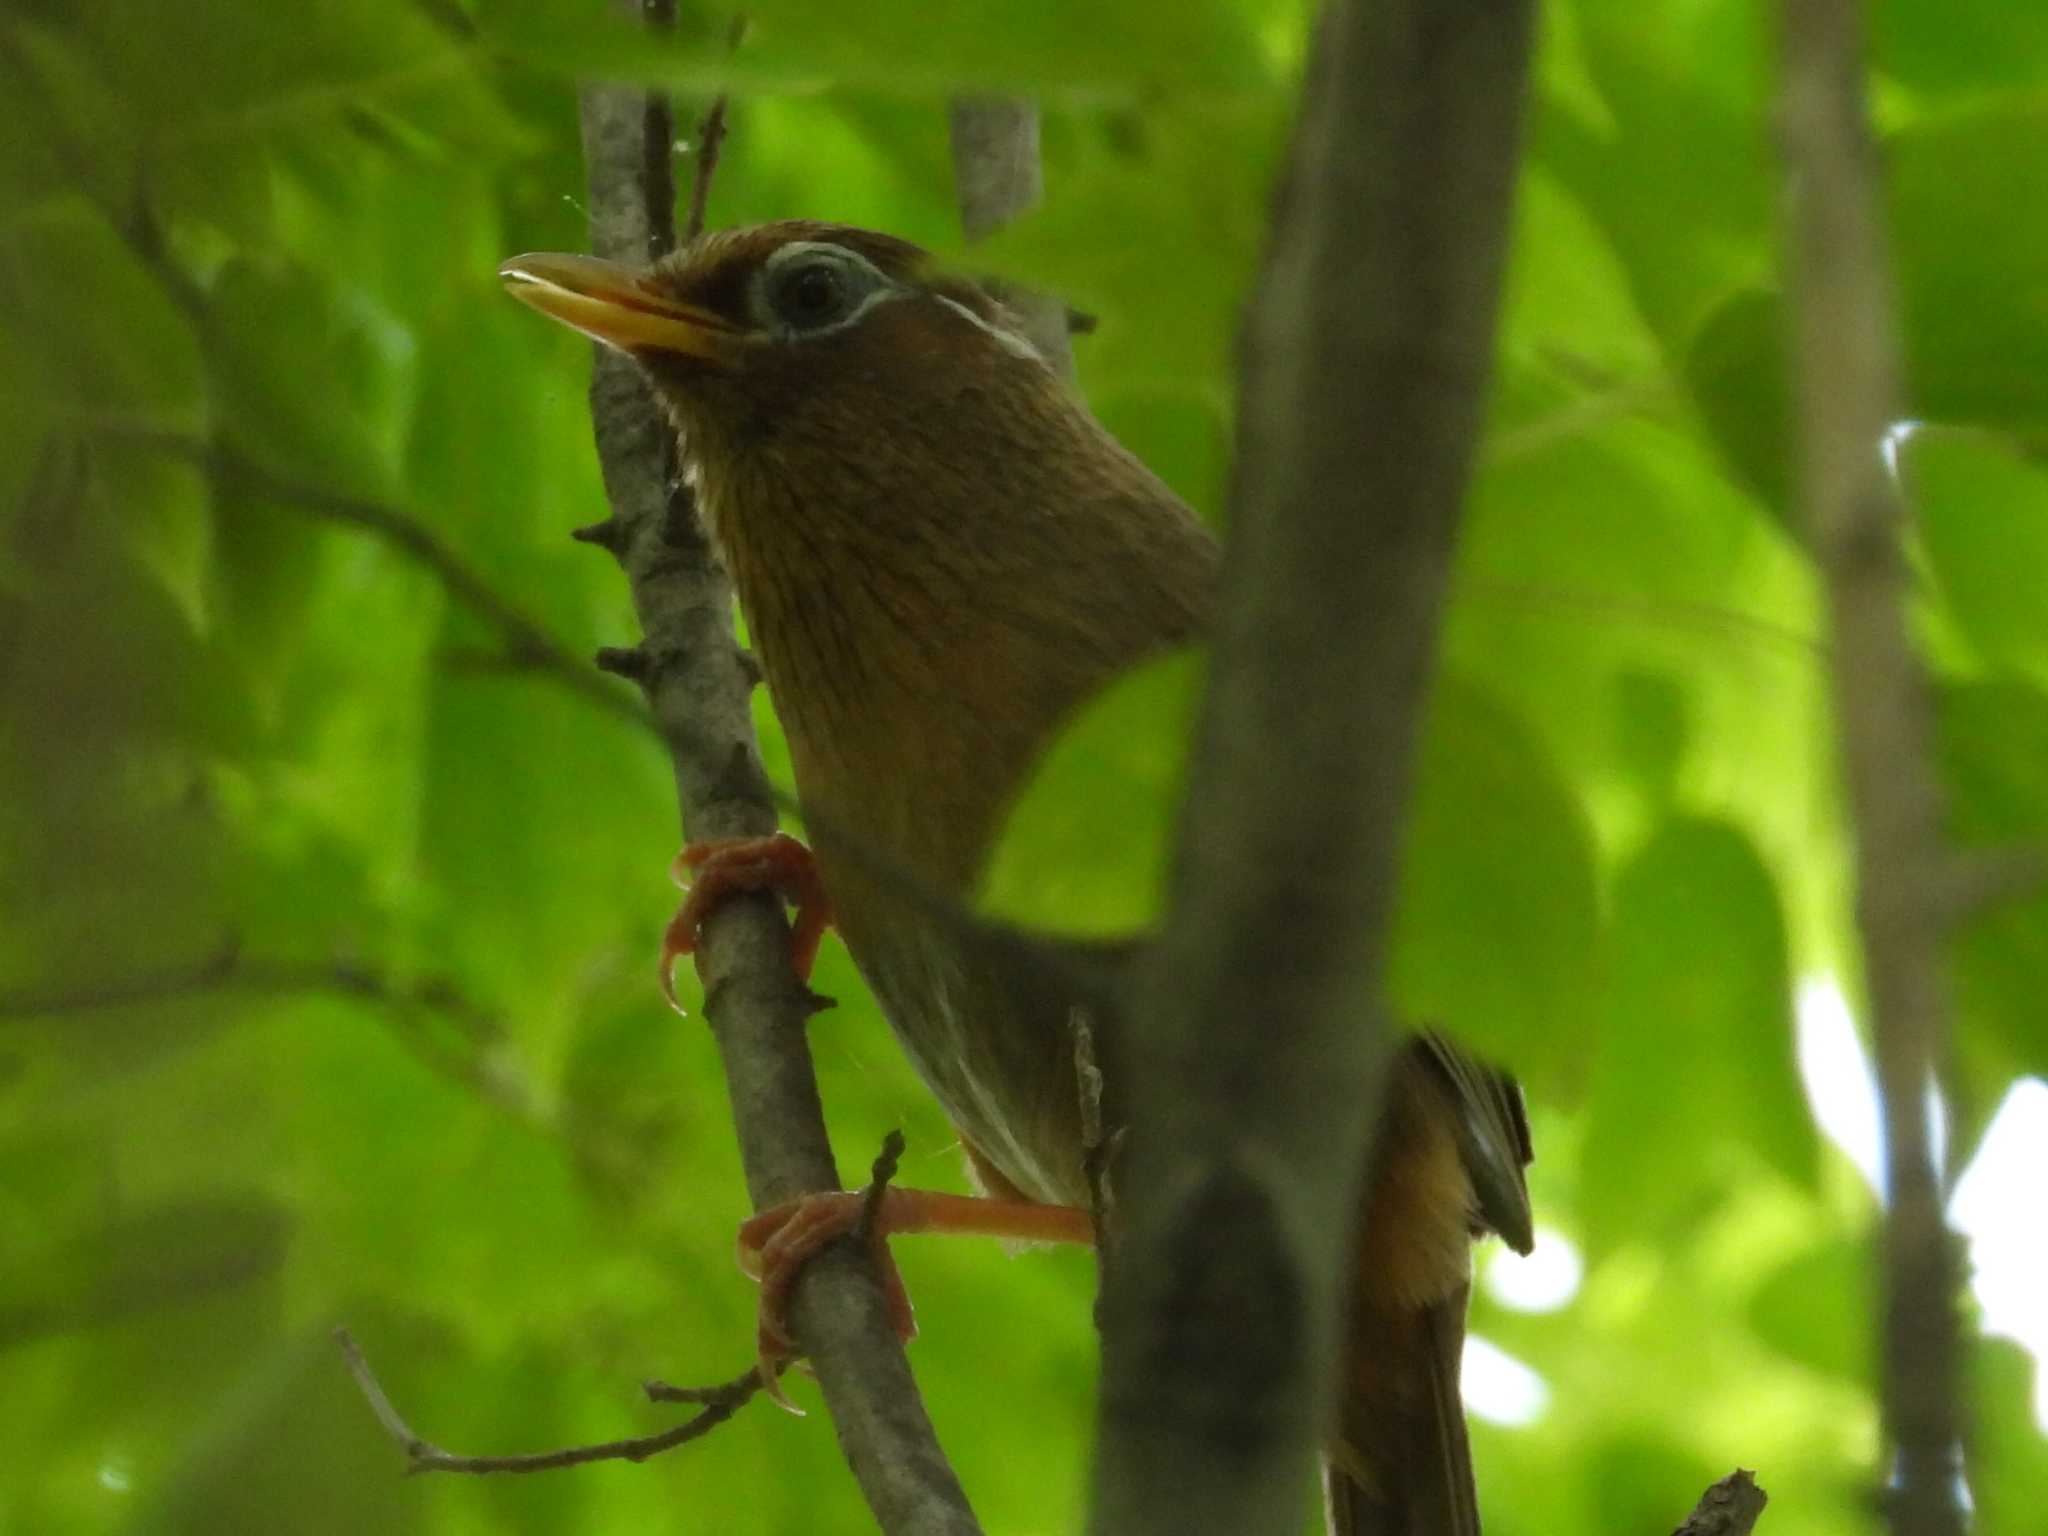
<point x="811" y="295"/>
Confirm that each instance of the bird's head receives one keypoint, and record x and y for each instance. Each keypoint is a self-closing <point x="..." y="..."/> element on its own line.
<point x="796" y="330"/>
<point x="939" y="550"/>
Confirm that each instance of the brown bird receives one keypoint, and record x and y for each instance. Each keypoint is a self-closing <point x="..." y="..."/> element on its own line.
<point x="941" y="554"/>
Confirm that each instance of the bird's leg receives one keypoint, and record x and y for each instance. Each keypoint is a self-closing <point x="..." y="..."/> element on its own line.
<point x="775" y="1245"/>
<point x="725" y="866"/>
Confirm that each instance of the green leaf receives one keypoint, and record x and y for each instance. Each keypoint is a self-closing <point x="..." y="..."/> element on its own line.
<point x="89" y="334"/>
<point x="1966" y="199"/>
<point x="1568" y="302"/>
<point x="294" y="1435"/>
<point x="160" y="508"/>
<point x="1639" y="1480"/>
<point x="1695" y="1055"/>
<point x="1065" y="47"/>
<point x="2008" y="1458"/>
<point x="1736" y="369"/>
<point x="1817" y="1309"/>
<point x="1670" y="157"/>
<point x="1982" y="515"/>
<point x="61" y="121"/>
<point x="1085" y="850"/>
<point x="1497" y="933"/>
<point x="1969" y="208"/>
<point x="1993" y="744"/>
<point x="314" y="381"/>
<point x="1961" y="47"/>
<point x="163" y="1256"/>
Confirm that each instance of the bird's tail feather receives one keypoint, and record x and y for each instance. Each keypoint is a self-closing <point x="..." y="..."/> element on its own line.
<point x="1400" y="1464"/>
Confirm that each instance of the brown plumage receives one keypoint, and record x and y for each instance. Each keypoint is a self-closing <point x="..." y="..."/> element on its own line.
<point x="941" y="555"/>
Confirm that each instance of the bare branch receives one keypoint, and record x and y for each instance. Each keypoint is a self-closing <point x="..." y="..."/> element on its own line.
<point x="698" y="687"/>
<point x="710" y="136"/>
<point x="1847" y="383"/>
<point x="1730" y="1508"/>
<point x="719" y="1403"/>
<point x="1366" y="358"/>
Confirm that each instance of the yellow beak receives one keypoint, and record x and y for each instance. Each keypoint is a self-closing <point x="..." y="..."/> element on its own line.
<point x="615" y="305"/>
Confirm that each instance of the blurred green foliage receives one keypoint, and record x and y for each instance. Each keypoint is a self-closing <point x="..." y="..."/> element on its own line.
<point x="246" y="287"/>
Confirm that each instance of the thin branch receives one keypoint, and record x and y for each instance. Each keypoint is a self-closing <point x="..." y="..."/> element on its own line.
<point x="710" y="128"/>
<point x="527" y="645"/>
<point x="1847" y="379"/>
<point x="710" y="136"/>
<point x="1366" y="358"/>
<point x="719" y="1403"/>
<point x="698" y="688"/>
<point x="997" y="178"/>
<point x="1730" y="1508"/>
<point x="485" y="1063"/>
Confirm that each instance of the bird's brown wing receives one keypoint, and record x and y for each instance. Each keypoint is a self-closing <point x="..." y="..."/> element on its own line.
<point x="1493" y="1139"/>
<point x="1448" y="1165"/>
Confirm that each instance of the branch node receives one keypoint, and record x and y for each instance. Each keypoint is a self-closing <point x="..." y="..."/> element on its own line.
<point x="609" y="534"/>
<point x="628" y="661"/>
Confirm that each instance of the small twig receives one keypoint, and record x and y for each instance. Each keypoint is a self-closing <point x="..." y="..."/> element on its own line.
<point x="884" y="1172"/>
<point x="741" y="1386"/>
<point x="1098" y="1151"/>
<point x="422" y="1455"/>
<point x="1729" y="1508"/>
<point x="710" y="135"/>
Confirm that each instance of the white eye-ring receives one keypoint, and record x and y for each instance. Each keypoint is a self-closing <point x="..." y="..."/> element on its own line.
<point x="812" y="287"/>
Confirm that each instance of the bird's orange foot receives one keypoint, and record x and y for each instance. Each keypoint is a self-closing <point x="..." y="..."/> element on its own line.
<point x="775" y="1245"/>
<point x="726" y="866"/>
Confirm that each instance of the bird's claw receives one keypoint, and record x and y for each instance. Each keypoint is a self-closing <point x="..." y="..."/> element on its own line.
<point x="722" y="867"/>
<point x="774" y="1247"/>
